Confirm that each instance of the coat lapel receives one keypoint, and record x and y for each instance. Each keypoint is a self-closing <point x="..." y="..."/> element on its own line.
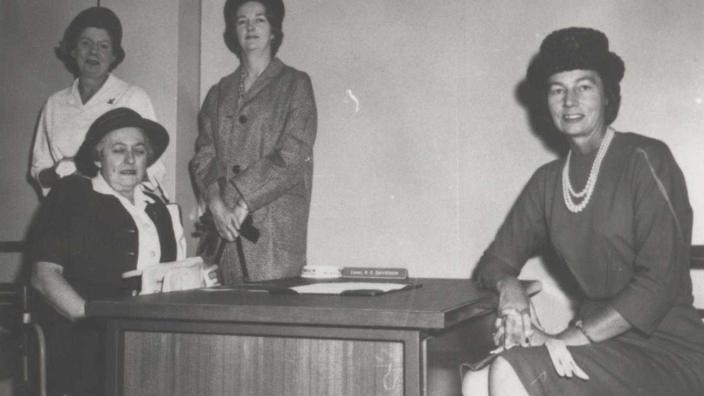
<point x="274" y="69"/>
<point x="228" y="110"/>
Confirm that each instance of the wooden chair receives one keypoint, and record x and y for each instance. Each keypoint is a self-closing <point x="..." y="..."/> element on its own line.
<point x="697" y="263"/>
<point x="19" y="333"/>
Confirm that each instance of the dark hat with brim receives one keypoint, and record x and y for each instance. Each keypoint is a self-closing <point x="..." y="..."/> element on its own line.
<point x="115" y="119"/>
<point x="575" y="48"/>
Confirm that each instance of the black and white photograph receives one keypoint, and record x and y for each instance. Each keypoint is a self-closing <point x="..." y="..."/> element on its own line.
<point x="344" y="198"/>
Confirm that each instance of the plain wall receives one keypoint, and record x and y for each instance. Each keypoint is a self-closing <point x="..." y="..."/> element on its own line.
<point x="423" y="145"/>
<point x="29" y="73"/>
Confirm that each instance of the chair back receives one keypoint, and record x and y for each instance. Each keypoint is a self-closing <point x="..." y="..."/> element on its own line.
<point x="22" y="340"/>
<point x="697" y="272"/>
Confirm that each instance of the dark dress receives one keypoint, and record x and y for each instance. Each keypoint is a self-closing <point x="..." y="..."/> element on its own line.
<point x="629" y="248"/>
<point x="95" y="240"/>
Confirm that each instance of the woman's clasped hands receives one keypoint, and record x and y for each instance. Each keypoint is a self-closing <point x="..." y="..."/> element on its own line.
<point x="517" y="325"/>
<point x="227" y="220"/>
<point x="513" y="323"/>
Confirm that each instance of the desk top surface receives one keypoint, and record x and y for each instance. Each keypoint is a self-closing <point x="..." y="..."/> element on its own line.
<point x="437" y="304"/>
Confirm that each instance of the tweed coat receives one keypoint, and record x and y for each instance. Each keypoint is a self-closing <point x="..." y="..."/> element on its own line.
<point x="261" y="151"/>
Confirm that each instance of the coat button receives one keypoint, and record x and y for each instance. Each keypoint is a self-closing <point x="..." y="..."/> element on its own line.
<point x="243" y="119"/>
<point x="236" y="169"/>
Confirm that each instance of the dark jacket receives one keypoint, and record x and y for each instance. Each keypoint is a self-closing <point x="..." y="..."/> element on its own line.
<point x="93" y="237"/>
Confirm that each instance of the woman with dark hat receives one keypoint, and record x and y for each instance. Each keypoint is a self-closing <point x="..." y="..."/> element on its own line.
<point x="91" y="49"/>
<point x="91" y="229"/>
<point x="617" y="214"/>
<point x="254" y="152"/>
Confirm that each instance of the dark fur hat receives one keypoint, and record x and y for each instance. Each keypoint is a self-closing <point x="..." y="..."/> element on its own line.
<point x="578" y="48"/>
<point x="575" y="48"/>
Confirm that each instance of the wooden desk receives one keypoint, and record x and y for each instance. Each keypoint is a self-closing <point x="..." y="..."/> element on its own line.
<point x="253" y="343"/>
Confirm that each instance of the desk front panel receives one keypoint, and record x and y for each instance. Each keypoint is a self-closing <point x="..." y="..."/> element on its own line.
<point x="218" y="364"/>
<point x="180" y="358"/>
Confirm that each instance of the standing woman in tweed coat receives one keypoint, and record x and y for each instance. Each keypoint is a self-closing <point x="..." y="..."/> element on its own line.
<point x="254" y="152"/>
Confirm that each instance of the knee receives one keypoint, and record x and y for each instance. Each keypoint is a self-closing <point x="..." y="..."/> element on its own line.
<point x="500" y="368"/>
<point x="503" y="379"/>
<point x="476" y="383"/>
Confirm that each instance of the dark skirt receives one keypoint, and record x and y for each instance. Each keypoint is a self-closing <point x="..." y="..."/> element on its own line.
<point x="76" y="358"/>
<point x="628" y="365"/>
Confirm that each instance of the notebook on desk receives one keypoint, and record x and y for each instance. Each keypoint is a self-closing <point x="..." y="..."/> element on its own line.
<point x="352" y="288"/>
<point x="329" y="288"/>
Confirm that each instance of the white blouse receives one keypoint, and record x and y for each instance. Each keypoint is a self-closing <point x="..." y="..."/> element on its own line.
<point x="149" y="248"/>
<point x="65" y="120"/>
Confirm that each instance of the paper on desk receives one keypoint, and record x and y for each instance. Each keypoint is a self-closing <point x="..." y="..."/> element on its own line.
<point x="339" y="287"/>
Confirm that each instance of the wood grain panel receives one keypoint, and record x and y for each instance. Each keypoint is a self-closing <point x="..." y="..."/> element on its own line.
<point x="215" y="364"/>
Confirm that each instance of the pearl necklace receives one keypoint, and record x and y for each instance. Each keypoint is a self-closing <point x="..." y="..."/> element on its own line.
<point x="567" y="190"/>
<point x="240" y="94"/>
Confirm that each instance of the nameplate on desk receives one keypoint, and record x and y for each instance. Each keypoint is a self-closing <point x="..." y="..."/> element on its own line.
<point x="374" y="273"/>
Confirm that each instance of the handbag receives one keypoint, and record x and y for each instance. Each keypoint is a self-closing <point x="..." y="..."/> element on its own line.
<point x="187" y="274"/>
<point x="211" y="246"/>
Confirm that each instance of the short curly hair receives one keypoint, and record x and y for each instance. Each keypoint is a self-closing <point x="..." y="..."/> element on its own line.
<point x="275" y="12"/>
<point x="96" y="17"/>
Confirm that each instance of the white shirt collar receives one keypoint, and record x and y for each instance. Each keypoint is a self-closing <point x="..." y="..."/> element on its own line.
<point x="76" y="94"/>
<point x="140" y="199"/>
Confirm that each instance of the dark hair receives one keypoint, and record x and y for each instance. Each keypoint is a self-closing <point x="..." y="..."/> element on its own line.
<point x="579" y="48"/>
<point x="275" y="12"/>
<point x="96" y="17"/>
<point x="613" y="95"/>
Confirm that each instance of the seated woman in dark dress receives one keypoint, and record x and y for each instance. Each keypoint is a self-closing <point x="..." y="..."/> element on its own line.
<point x="92" y="228"/>
<point x="616" y="212"/>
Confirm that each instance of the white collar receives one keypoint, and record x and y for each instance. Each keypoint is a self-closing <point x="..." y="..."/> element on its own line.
<point x="76" y="94"/>
<point x="102" y="187"/>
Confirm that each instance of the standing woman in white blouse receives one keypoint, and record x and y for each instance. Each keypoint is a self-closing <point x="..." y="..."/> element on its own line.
<point x="91" y="49"/>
